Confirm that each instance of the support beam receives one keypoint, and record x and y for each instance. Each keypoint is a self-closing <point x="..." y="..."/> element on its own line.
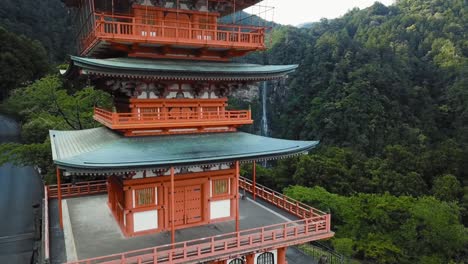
<point x="172" y="207"/>
<point x="254" y="179"/>
<point x="59" y="196"/>
<point x="281" y="255"/>
<point x="250" y="259"/>
<point x="236" y="184"/>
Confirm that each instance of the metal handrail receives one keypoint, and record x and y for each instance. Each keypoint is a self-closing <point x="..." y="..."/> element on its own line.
<point x="45" y="224"/>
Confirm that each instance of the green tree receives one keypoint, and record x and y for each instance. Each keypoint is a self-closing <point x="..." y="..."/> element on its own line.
<point x="382" y="228"/>
<point x="42" y="106"/>
<point x="22" y="60"/>
<point x="447" y="188"/>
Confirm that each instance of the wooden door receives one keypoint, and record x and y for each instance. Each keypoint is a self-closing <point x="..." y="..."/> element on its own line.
<point x="193" y="204"/>
<point x="188" y="205"/>
<point x="179" y="199"/>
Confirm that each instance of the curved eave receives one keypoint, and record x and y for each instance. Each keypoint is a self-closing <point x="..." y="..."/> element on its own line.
<point x="185" y="163"/>
<point x="100" y="150"/>
<point x="175" y="70"/>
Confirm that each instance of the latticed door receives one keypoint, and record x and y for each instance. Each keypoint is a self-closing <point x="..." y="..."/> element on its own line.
<point x="266" y="258"/>
<point x="237" y="261"/>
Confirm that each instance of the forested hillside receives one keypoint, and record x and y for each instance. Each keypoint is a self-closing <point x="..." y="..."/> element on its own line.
<point x="46" y="21"/>
<point x="22" y="60"/>
<point x="384" y="89"/>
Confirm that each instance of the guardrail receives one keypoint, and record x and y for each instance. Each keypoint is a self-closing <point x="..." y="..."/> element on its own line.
<point x="112" y="119"/>
<point x="280" y="200"/>
<point x="212" y="247"/>
<point x="174" y="31"/>
<point x="45" y="249"/>
<point x="315" y="225"/>
<point x="77" y="189"/>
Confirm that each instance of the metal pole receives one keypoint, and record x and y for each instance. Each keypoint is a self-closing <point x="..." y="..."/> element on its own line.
<point x="236" y="196"/>
<point x="172" y="207"/>
<point x="254" y="178"/>
<point x="59" y="194"/>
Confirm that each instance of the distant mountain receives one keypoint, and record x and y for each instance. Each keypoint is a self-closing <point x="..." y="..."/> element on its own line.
<point x="244" y="18"/>
<point x="307" y="25"/>
<point x="47" y="21"/>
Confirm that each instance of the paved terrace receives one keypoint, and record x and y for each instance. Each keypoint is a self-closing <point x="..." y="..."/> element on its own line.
<point x="90" y="229"/>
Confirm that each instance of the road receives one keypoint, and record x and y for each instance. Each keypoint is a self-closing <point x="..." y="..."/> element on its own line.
<point x="20" y="188"/>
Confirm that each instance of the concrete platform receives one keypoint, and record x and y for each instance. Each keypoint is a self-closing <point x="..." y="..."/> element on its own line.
<point x="91" y="231"/>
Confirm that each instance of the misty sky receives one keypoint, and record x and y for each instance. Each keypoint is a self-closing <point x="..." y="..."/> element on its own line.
<point x="294" y="12"/>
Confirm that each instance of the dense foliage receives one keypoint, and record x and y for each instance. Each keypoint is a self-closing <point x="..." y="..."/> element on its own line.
<point x="47" y="104"/>
<point x="45" y="21"/>
<point x="21" y="61"/>
<point x="385" y="90"/>
<point x="388" y="229"/>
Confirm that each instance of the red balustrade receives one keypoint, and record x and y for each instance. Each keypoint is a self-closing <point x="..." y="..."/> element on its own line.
<point x="280" y="200"/>
<point x="126" y="28"/>
<point x="172" y="119"/>
<point x="210" y="248"/>
<point x="78" y="189"/>
<point x="314" y="225"/>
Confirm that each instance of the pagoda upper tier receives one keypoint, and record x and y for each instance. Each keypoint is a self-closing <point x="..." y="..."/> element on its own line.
<point x="170" y="29"/>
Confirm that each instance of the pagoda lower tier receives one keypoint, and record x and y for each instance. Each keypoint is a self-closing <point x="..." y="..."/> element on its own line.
<point x="162" y="183"/>
<point x="142" y="205"/>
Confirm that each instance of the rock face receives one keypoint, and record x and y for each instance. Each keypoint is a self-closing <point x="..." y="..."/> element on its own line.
<point x="249" y="93"/>
<point x="276" y="96"/>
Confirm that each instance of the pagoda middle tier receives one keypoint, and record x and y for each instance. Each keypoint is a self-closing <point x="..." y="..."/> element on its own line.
<point x="164" y="29"/>
<point x="156" y="97"/>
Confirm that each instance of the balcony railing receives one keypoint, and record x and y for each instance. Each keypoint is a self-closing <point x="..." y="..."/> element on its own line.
<point x="172" y="119"/>
<point x="78" y="189"/>
<point x="161" y="32"/>
<point x="314" y="225"/>
<point x="280" y="200"/>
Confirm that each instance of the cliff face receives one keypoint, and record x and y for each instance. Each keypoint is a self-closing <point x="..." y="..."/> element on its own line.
<point x="252" y="95"/>
<point x="249" y="94"/>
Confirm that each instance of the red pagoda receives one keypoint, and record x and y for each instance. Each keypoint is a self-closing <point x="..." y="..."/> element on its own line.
<point x="169" y="148"/>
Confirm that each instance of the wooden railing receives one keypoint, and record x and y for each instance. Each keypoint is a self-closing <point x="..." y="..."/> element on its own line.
<point x="114" y="120"/>
<point x="278" y="235"/>
<point x="78" y="189"/>
<point x="280" y="200"/>
<point x="315" y="225"/>
<point x="127" y="28"/>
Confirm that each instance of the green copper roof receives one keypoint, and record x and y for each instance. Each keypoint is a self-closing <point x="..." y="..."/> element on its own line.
<point x="177" y="69"/>
<point x="101" y="149"/>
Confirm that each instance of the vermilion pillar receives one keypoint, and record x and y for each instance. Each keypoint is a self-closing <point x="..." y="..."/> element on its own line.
<point x="59" y="194"/>
<point x="236" y="184"/>
<point x="282" y="255"/>
<point x="254" y="178"/>
<point x="250" y="259"/>
<point x="172" y="207"/>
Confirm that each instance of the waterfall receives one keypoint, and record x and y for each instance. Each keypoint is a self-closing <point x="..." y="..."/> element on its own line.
<point x="264" y="122"/>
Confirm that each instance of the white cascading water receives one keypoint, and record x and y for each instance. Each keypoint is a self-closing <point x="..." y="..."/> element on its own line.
<point x="264" y="122"/>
